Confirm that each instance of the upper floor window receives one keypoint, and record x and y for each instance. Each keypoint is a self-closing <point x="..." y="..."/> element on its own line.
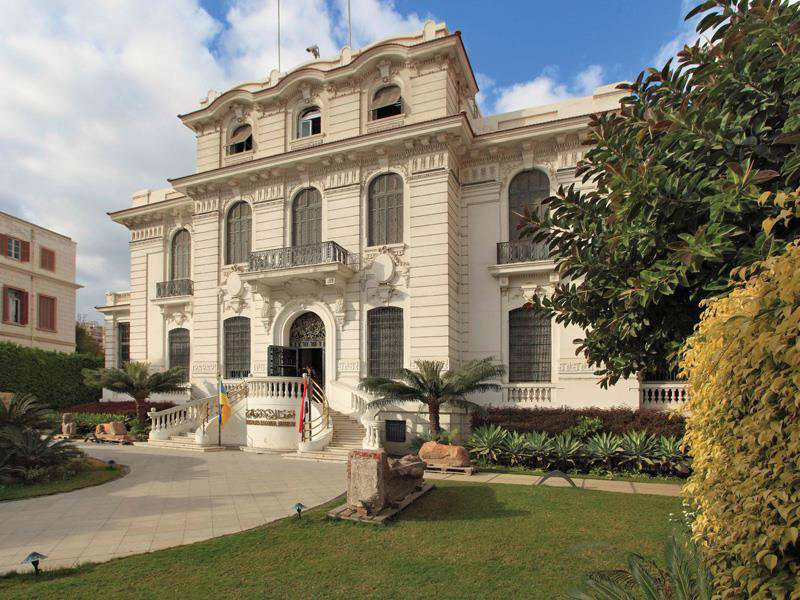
<point x="309" y="123"/>
<point x="387" y="102"/>
<point x="47" y="259"/>
<point x="237" y="230"/>
<point x="385" y="341"/>
<point x="47" y="313"/>
<point x="241" y="140"/>
<point x="15" y="306"/>
<point x="123" y="344"/>
<point x="307" y="218"/>
<point x="14" y="248"/>
<point x="385" y="210"/>
<point x="526" y="192"/>
<point x="181" y="255"/>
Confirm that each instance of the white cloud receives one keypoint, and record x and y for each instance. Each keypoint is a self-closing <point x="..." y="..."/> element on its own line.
<point x="685" y="35"/>
<point x="87" y="115"/>
<point x="545" y="89"/>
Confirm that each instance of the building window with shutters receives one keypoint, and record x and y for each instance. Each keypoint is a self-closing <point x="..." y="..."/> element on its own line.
<point x="14" y="248"/>
<point x="46" y="313"/>
<point x="47" y="259"/>
<point x="179" y="350"/>
<point x="387" y="102"/>
<point x="181" y="255"/>
<point x="237" y="234"/>
<point x="123" y="344"/>
<point x="309" y="123"/>
<point x="385" y="210"/>
<point x="15" y="306"/>
<point x="529" y="346"/>
<point x="236" y="333"/>
<point x="307" y="218"/>
<point x="385" y="341"/>
<point x="241" y="140"/>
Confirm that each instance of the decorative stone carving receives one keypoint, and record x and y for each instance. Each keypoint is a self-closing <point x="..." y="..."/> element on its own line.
<point x="68" y="427"/>
<point x="233" y="292"/>
<point x="434" y="453"/>
<point x="349" y="365"/>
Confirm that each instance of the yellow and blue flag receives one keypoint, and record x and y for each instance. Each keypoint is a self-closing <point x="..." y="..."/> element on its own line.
<point x="224" y="404"/>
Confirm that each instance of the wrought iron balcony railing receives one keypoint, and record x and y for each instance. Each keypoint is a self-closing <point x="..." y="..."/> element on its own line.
<point x="524" y="251"/>
<point x="298" y="256"/>
<point x="175" y="287"/>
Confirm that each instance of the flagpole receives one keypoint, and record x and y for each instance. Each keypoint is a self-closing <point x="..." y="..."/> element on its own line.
<point x="219" y="410"/>
<point x="279" y="36"/>
<point x="349" y="28"/>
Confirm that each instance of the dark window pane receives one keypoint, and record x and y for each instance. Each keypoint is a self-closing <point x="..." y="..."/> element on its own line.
<point x="181" y="255"/>
<point x="385" y="210"/>
<point x="237" y="347"/>
<point x="529" y="346"/>
<point x="238" y="234"/>
<point x="527" y="190"/>
<point x="385" y="334"/>
<point x="395" y="431"/>
<point x="179" y="350"/>
<point x="307" y="218"/>
<point x="124" y="343"/>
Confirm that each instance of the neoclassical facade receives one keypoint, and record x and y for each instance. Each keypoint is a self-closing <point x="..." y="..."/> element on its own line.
<point x="355" y="215"/>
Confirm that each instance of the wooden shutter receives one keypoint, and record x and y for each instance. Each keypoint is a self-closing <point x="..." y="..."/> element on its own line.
<point x="25" y="253"/>
<point x="47" y="313"/>
<point x="6" y="314"/>
<point x="24" y="310"/>
<point x="3" y="245"/>
<point x="47" y="259"/>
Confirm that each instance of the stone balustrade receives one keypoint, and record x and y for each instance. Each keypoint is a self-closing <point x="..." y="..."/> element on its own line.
<point x="181" y="418"/>
<point x="529" y="393"/>
<point x="664" y="395"/>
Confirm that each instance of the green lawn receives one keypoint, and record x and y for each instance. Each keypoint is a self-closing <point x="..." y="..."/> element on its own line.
<point x="642" y="478"/>
<point x="96" y="473"/>
<point x="462" y="540"/>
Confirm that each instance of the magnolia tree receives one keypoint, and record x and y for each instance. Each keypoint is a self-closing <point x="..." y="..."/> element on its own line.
<point x="681" y="173"/>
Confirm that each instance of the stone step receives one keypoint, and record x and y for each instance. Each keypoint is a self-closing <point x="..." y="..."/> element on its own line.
<point x="179" y="445"/>
<point x="317" y="456"/>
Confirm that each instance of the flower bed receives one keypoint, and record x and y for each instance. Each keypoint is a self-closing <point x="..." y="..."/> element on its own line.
<point x="127" y="409"/>
<point x="555" y="420"/>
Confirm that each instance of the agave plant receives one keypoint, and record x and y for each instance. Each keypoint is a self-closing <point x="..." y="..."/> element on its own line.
<point x="604" y="448"/>
<point x="684" y="578"/>
<point x="566" y="450"/>
<point x="638" y="449"/>
<point x="541" y="446"/>
<point x="516" y="448"/>
<point x="28" y="448"/>
<point x="671" y="455"/>
<point x="487" y="442"/>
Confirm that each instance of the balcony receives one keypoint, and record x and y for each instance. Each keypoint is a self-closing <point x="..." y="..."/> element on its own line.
<point x="326" y="262"/>
<point x="521" y="258"/>
<point x="175" y="287"/>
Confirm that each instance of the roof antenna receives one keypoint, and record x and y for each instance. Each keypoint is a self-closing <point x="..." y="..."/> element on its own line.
<point x="279" y="36"/>
<point x="349" y="28"/>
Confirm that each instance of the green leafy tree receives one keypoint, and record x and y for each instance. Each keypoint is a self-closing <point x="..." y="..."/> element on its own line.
<point x="136" y="380"/>
<point x="681" y="175"/>
<point x="432" y="386"/>
<point x="85" y="343"/>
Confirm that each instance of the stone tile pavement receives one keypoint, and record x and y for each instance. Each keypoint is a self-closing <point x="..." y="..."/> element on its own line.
<point x="169" y="498"/>
<point x="603" y="485"/>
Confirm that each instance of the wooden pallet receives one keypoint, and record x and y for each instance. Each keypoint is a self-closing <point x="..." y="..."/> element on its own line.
<point x="346" y="513"/>
<point x="430" y="468"/>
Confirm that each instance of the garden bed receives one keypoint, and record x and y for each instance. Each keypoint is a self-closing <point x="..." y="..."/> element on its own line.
<point x="95" y="472"/>
<point x="127" y="409"/>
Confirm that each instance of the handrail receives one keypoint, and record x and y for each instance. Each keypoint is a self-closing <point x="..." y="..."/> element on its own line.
<point x="319" y="424"/>
<point x="193" y="412"/>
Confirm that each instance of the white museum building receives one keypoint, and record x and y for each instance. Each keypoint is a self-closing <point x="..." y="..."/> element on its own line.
<point x="354" y="215"/>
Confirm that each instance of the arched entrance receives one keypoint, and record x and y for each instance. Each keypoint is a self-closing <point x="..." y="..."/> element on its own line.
<point x="306" y="349"/>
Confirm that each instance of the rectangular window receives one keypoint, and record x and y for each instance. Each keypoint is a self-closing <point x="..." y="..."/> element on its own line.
<point x="14" y="248"/>
<point x="47" y="259"/>
<point x="123" y="343"/>
<point x="15" y="306"/>
<point x="47" y="313"/>
<point x="396" y="431"/>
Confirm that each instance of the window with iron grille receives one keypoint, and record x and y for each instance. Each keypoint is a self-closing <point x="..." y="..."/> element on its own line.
<point x="395" y="431"/>
<point x="238" y="234"/>
<point x="237" y="347"/>
<point x="181" y="255"/>
<point x="307" y="218"/>
<point x="385" y="335"/>
<point x="385" y="210"/>
<point x="529" y="346"/>
<point x="47" y="313"/>
<point x="123" y="343"/>
<point x="526" y="192"/>
<point x="179" y="350"/>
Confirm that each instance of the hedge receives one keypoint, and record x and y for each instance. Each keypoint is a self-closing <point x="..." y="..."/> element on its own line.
<point x="555" y="420"/>
<point x="127" y="409"/>
<point x="53" y="377"/>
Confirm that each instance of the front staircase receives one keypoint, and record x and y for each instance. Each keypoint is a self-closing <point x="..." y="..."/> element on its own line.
<point x="348" y="434"/>
<point x="183" y="441"/>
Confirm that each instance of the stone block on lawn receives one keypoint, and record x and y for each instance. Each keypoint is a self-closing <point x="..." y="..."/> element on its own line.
<point x="434" y="453"/>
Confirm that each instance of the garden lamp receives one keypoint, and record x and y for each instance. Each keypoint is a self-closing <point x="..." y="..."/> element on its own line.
<point x="299" y="507"/>
<point x="34" y="558"/>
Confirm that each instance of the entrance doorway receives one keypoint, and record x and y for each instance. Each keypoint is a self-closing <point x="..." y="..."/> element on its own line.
<point x="306" y="349"/>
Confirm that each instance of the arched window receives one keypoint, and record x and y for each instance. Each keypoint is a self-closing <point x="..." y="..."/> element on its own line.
<point x="309" y="122"/>
<point x="385" y="336"/>
<point x="236" y="332"/>
<point x="529" y="346"/>
<point x="385" y="210"/>
<point x="181" y="255"/>
<point x="179" y="350"/>
<point x="307" y="218"/>
<point x="241" y="140"/>
<point x="527" y="190"/>
<point x="237" y="230"/>
<point x="387" y="102"/>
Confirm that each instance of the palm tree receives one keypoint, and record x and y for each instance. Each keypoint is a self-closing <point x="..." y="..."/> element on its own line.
<point x="26" y="411"/>
<point x="431" y="385"/>
<point x="136" y="380"/>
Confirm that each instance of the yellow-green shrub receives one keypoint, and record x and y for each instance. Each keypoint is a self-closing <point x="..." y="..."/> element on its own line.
<point x="743" y="429"/>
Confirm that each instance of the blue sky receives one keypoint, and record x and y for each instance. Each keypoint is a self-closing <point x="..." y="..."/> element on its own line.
<point x="100" y="82"/>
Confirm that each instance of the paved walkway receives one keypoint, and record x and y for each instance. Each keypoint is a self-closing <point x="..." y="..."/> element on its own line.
<point x="169" y="498"/>
<point x="603" y="485"/>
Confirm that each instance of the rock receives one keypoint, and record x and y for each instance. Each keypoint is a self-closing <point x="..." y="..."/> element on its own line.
<point x="405" y="477"/>
<point x="68" y="427"/>
<point x="375" y="482"/>
<point x="435" y="453"/>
